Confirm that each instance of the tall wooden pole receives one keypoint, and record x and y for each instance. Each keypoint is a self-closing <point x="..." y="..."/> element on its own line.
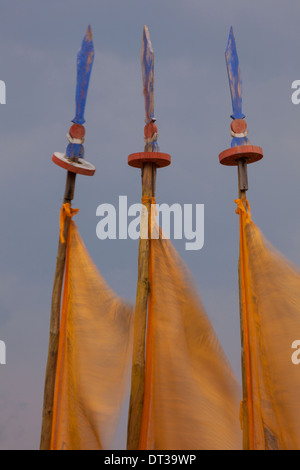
<point x="140" y="322"/>
<point x="148" y="161"/>
<point x="243" y="187"/>
<point x="55" y="323"/>
<point x="241" y="154"/>
<point x="73" y="161"/>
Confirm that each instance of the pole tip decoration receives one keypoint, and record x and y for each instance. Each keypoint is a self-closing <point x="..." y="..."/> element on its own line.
<point x="73" y="159"/>
<point x="240" y="145"/>
<point x="151" y="152"/>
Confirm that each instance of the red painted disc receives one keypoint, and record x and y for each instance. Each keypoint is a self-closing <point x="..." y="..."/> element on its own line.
<point x="238" y="126"/>
<point x="150" y="129"/>
<point x="77" y="131"/>
<point x="82" y="167"/>
<point x="231" y="156"/>
<point x="161" y="160"/>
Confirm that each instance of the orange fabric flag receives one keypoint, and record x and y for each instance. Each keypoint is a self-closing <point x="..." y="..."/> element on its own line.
<point x="94" y="356"/>
<point x="271" y="323"/>
<point x="192" y="398"/>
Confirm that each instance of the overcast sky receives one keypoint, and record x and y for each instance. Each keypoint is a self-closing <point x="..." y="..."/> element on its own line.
<point x="38" y="47"/>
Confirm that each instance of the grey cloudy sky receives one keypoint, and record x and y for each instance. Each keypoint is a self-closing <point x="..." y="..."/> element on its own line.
<point x="38" y="45"/>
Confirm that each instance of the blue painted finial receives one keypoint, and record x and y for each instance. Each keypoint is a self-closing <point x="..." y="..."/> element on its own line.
<point x="234" y="75"/>
<point x="147" y="60"/>
<point x="85" y="60"/>
<point x="235" y="83"/>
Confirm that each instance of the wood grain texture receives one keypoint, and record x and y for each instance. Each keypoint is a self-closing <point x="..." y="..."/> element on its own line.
<point x="140" y="322"/>
<point x="148" y="161"/>
<point x="244" y="411"/>
<point x="50" y="375"/>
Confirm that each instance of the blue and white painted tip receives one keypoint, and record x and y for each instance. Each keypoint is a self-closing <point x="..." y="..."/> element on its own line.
<point x="234" y="75"/>
<point x="147" y="60"/>
<point x="85" y="60"/>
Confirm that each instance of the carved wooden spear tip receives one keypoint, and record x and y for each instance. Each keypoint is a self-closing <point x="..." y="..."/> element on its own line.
<point x="73" y="159"/>
<point x="151" y="152"/>
<point x="241" y="152"/>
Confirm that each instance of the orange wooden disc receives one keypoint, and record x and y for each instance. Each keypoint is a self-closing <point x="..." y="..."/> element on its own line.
<point x="82" y="167"/>
<point x="161" y="160"/>
<point x="231" y="156"/>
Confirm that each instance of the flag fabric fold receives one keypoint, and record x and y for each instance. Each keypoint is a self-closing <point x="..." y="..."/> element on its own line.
<point x="271" y="324"/>
<point x="94" y="356"/>
<point x="192" y="397"/>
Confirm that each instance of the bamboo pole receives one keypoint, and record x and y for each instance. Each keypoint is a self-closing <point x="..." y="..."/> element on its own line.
<point x="140" y="322"/>
<point x="243" y="186"/>
<point x="55" y="323"/>
<point x="248" y="430"/>
<point x="149" y="161"/>
<point x="241" y="154"/>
